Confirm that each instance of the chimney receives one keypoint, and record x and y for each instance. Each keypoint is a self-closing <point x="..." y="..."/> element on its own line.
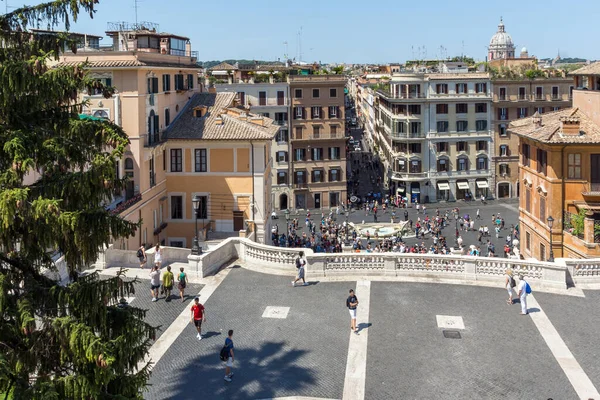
<point x="537" y="120"/>
<point x="570" y="125"/>
<point x="258" y="120"/>
<point x="219" y="121"/>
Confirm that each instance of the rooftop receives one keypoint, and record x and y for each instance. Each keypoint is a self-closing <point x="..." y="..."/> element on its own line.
<point x="591" y="69"/>
<point x="127" y="63"/>
<point x="221" y="120"/>
<point x="548" y="128"/>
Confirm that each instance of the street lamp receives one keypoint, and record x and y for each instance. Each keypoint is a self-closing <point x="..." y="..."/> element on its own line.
<point x="347" y="227"/>
<point x="550" y="223"/>
<point x="196" y="249"/>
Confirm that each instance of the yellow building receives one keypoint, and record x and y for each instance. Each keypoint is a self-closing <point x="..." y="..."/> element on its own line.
<point x="559" y="212"/>
<point x="218" y="151"/>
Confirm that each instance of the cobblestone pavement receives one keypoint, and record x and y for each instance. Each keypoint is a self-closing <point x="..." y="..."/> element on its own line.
<point x="501" y="354"/>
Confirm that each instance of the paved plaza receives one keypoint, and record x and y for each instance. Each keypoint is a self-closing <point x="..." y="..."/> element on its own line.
<point x="295" y="342"/>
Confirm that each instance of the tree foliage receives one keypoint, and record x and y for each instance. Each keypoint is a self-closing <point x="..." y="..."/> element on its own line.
<point x="56" y="170"/>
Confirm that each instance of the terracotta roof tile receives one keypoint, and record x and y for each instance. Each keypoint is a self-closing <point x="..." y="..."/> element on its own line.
<point x="123" y="64"/>
<point x="222" y="67"/>
<point x="187" y="126"/>
<point x="592" y="69"/>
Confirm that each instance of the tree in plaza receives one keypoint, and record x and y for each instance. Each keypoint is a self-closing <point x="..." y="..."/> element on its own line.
<point x="56" y="170"/>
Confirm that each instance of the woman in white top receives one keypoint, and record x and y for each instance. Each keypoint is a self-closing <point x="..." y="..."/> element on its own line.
<point x="508" y="284"/>
<point x="157" y="255"/>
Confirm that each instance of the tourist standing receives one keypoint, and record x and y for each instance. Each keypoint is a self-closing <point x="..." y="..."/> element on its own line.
<point x="168" y="280"/>
<point x="300" y="263"/>
<point x="157" y="255"/>
<point x="523" y="291"/>
<point x="198" y="316"/>
<point x="352" y="303"/>
<point x="182" y="283"/>
<point x="229" y="364"/>
<point x="154" y="282"/>
<point x="141" y="255"/>
<point x="509" y="284"/>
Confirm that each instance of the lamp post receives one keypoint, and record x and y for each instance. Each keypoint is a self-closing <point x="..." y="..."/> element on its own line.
<point x="550" y="223"/>
<point x="196" y="249"/>
<point x="347" y="227"/>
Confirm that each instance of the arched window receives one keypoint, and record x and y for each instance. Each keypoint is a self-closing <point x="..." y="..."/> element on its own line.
<point x="128" y="163"/>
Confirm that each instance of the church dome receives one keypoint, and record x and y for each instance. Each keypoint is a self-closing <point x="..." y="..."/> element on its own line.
<point x="501" y="38"/>
<point x="524" y="50"/>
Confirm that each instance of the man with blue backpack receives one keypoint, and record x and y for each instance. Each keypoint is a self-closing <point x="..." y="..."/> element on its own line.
<point x="523" y="290"/>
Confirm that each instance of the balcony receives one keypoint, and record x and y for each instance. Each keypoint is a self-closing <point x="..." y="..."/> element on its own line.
<point x="124" y="206"/>
<point x="591" y="191"/>
<point x="161" y="228"/>
<point x="301" y="185"/>
<point x="411" y="135"/>
<point x="280" y="122"/>
<point x="401" y="96"/>
<point x="469" y="173"/>
<point x="317" y="136"/>
<point x="152" y="139"/>
<point x="407" y="176"/>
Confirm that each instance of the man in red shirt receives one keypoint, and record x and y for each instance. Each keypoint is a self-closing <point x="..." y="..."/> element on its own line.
<point x="198" y="316"/>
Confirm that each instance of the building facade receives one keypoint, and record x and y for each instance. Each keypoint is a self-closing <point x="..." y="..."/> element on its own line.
<point x="559" y="209"/>
<point x="515" y="99"/>
<point x="318" y="144"/>
<point x="434" y="133"/>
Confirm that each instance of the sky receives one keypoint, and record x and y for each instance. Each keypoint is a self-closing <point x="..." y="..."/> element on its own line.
<point x="353" y="31"/>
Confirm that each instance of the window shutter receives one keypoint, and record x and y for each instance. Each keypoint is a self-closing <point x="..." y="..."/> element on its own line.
<point x="285" y="156"/>
<point x="338" y="113"/>
<point x="149" y="126"/>
<point x="329" y="176"/>
<point x="149" y="85"/>
<point x="155" y="85"/>
<point x="156" y="126"/>
<point x="108" y="82"/>
<point x="303" y="112"/>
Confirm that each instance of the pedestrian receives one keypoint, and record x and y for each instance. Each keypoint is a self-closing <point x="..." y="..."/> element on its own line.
<point x="478" y="216"/>
<point x="198" y="316"/>
<point x="418" y="206"/>
<point x="352" y="303"/>
<point x="459" y="241"/>
<point x="509" y="284"/>
<point x="157" y="255"/>
<point x="168" y="280"/>
<point x="141" y="255"/>
<point x="300" y="263"/>
<point x="229" y="350"/>
<point x="154" y="282"/>
<point x="406" y="215"/>
<point x="182" y="283"/>
<point x="523" y="291"/>
<point x="424" y="209"/>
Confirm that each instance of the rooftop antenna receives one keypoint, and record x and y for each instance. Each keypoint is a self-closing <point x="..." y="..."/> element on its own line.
<point x="300" y="45"/>
<point x="285" y="55"/>
<point x="462" y="52"/>
<point x="135" y="6"/>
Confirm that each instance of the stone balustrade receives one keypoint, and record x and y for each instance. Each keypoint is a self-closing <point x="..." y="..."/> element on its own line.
<point x="584" y="270"/>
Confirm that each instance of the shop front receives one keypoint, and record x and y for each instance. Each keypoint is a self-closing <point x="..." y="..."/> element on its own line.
<point x="443" y="191"/>
<point x="415" y="192"/>
<point x="462" y="190"/>
<point x="482" y="188"/>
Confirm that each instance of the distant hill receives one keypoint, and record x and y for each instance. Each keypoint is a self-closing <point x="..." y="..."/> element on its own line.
<point x="208" y="64"/>
<point x="566" y="60"/>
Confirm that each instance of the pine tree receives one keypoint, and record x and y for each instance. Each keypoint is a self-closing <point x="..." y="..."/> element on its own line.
<point x="59" y="342"/>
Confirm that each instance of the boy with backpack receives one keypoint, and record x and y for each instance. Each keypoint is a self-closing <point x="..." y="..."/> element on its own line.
<point x="141" y="255"/>
<point x="300" y="263"/>
<point x="524" y="290"/>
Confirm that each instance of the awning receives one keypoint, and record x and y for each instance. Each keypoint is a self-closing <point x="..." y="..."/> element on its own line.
<point x="415" y="190"/>
<point x="400" y="190"/>
<point x="462" y="185"/>
<point x="482" y="184"/>
<point x="443" y="186"/>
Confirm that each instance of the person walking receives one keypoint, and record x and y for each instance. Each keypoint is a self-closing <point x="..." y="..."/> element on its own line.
<point x="141" y="255"/>
<point x="154" y="282"/>
<point x="168" y="280"/>
<point x="523" y="290"/>
<point x="198" y="316"/>
<point x="406" y="215"/>
<point x="182" y="283"/>
<point x="157" y="255"/>
<point x="229" y="348"/>
<point x="509" y="284"/>
<point x="478" y="216"/>
<point x="300" y="263"/>
<point x="352" y="303"/>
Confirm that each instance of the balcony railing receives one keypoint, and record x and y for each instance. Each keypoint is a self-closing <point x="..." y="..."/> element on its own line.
<point x="280" y="122"/>
<point x="161" y="228"/>
<point x="401" y="96"/>
<point x="302" y="185"/>
<point x="314" y="136"/>
<point x="152" y="139"/>
<point x="128" y="203"/>
<point x="406" y="135"/>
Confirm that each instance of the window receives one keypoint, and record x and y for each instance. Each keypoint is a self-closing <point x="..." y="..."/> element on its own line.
<point x="481" y="125"/>
<point x="190" y="81"/>
<point x="574" y="166"/>
<point x="334" y="175"/>
<point x="333" y="130"/>
<point x="482" y="163"/>
<point x="481" y="145"/>
<point x="441" y="108"/>
<point x="334" y="153"/>
<point x="415" y="166"/>
<point x="401" y="165"/>
<point x="280" y="98"/>
<point x="461" y="88"/>
<point x="262" y="98"/>
<point x="176" y="160"/>
<point x="300" y="155"/>
<point x="462" y="108"/>
<point x="281" y="118"/>
<point x="166" y="81"/>
<point x="415" y="127"/>
<point x="555" y="95"/>
<point x="503" y="113"/>
<point x="300" y="177"/>
<point x="555" y="108"/>
<point x="316" y="93"/>
<point x="525" y="151"/>
<point x="317" y="176"/>
<point x="522" y="112"/>
<point x="528" y="200"/>
<point x="281" y="156"/>
<point x="542" y="161"/>
<point x="317" y="153"/>
<point x="502" y="94"/>
<point x="179" y="82"/>
<point x="540" y="110"/>
<point x="522" y="95"/>
<point x="266" y="115"/>
<point x="282" y="178"/>
<point x="203" y="207"/>
<point x="151" y="172"/>
<point x="481" y="88"/>
<point x="176" y="207"/>
<point x="167" y="117"/>
<point x="414" y="109"/>
<point x="441" y="88"/>
<point x="480" y="107"/>
<point x="442" y="126"/>
<point x="315" y="112"/>
<point x="200" y="160"/>
<point x="152" y="85"/>
<point x="462" y="146"/>
<point x="298" y="112"/>
<point x="316" y="131"/>
<point x="504" y="169"/>
<point x="503" y="150"/>
<point x="542" y="252"/>
<point x="442" y="165"/>
<point x="543" y="209"/>
<point x="571" y="92"/>
<point x="442" y="147"/>
<point x="502" y="130"/>
<point x="242" y="98"/>
<point x="462" y="164"/>
<point x="414" y="148"/>
<point x="462" y="126"/>
<point x="334" y="112"/>
<point x="297" y="93"/>
<point x="282" y="136"/>
<point x="332" y="93"/>
<point x="298" y="132"/>
<point x="177" y="47"/>
<point x="539" y="93"/>
<point x="528" y="240"/>
<point x="164" y="157"/>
